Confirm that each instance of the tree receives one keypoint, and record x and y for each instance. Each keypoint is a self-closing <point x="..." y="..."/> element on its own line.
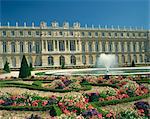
<point x="24" y="69"/>
<point x="6" y="67"/>
<point x="133" y="64"/>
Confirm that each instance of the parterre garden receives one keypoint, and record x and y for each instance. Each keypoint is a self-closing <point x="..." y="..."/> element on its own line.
<point x="76" y="97"/>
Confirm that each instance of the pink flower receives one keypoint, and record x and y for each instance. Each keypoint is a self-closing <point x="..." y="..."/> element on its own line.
<point x="100" y="116"/>
<point x="34" y="103"/>
<point x="66" y="111"/>
<point x="109" y="115"/>
<point x="44" y="103"/>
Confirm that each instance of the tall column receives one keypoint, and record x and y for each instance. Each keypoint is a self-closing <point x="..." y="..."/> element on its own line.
<point x="76" y="43"/>
<point x="119" y="47"/>
<point x="8" y="47"/>
<point x="113" y="47"/>
<point x="106" y="49"/>
<point x="131" y="46"/>
<point x="137" y="46"/>
<point x="1" y="47"/>
<point x="100" y="46"/>
<point x="125" y="47"/>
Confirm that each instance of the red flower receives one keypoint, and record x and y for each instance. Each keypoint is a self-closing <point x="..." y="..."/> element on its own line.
<point x="2" y="101"/>
<point x="86" y="100"/>
<point x="66" y="111"/>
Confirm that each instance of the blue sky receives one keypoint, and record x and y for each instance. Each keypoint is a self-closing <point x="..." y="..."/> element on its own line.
<point x="104" y="12"/>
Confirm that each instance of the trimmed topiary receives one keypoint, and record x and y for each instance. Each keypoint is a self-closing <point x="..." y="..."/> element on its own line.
<point x="6" y="67"/>
<point x="24" y="70"/>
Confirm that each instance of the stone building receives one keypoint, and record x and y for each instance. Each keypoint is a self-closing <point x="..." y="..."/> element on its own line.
<point x="51" y="46"/>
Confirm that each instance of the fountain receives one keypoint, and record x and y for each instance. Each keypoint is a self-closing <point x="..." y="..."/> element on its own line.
<point x="107" y="61"/>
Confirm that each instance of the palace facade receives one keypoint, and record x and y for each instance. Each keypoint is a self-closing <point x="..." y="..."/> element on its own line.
<point x="53" y="46"/>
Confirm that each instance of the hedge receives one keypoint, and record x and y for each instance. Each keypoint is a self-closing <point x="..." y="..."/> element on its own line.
<point x="33" y="87"/>
<point x="92" y="84"/>
<point x="125" y="100"/>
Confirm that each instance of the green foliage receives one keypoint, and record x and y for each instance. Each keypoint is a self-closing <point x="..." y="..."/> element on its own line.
<point x="25" y="69"/>
<point x="6" y="67"/>
<point x="37" y="83"/>
<point x="127" y="115"/>
<point x="55" y="111"/>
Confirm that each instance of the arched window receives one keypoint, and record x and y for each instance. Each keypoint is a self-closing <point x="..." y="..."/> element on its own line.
<point x="50" y="60"/>
<point x="90" y="46"/>
<point x="30" y="47"/>
<point x="83" y="46"/>
<point x="37" y="47"/>
<point x="123" y="59"/>
<point x="61" y="60"/>
<point x="73" y="60"/>
<point x="90" y="59"/>
<point x="13" y="48"/>
<point x="4" y="47"/>
<point x="21" y="47"/>
<point x="84" y="59"/>
<point x="61" y="45"/>
<point x="13" y="61"/>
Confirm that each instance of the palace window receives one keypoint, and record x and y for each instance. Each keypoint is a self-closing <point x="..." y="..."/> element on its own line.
<point x="90" y="46"/>
<point x="103" y="46"/>
<point x="3" y="33"/>
<point x="49" y="33"/>
<point x="134" y="47"/>
<point x="103" y="34"/>
<point x="109" y="34"/>
<point x="110" y="46"/>
<point x="122" y="47"/>
<point x="4" y="47"/>
<point x="37" y="47"/>
<point x="50" y="46"/>
<point x="121" y="34"/>
<point x="72" y="45"/>
<point x="116" y="47"/>
<point x="139" y="34"/>
<point x="128" y="34"/>
<point x="61" y="45"/>
<point x="37" y="33"/>
<point x="83" y="34"/>
<point x="67" y="44"/>
<point x="29" y="47"/>
<point x="21" y="33"/>
<point x="50" y="60"/>
<point x="84" y="59"/>
<point x="83" y="46"/>
<point x="12" y="33"/>
<point x="116" y="34"/>
<point x="60" y="33"/>
<point x="145" y="34"/>
<point x="61" y="60"/>
<point x="89" y="34"/>
<point x="90" y="59"/>
<point x="73" y="60"/>
<point x="128" y="46"/>
<point x="13" y="49"/>
<point x="21" y="47"/>
<point x="29" y="33"/>
<point x="133" y="34"/>
<point x="55" y="44"/>
<point x="96" y="33"/>
<point x="96" y="46"/>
